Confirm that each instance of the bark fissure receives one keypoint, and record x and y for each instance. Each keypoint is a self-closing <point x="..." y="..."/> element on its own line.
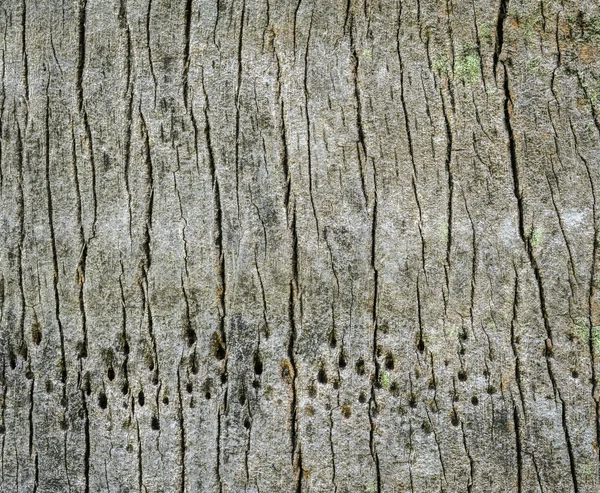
<point x="293" y="293"/>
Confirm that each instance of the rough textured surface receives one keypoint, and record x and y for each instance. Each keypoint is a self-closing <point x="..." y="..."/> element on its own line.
<point x="325" y="246"/>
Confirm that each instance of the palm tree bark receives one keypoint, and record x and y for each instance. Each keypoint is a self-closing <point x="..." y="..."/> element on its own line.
<point x="325" y="246"/>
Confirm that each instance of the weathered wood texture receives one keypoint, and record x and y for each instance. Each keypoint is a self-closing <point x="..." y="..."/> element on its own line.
<point x="269" y="246"/>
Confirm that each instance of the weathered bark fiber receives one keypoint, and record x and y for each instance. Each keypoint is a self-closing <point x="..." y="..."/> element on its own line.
<point x="313" y="246"/>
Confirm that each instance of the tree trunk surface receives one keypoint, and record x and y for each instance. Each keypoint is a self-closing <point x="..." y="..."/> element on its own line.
<point x="315" y="246"/>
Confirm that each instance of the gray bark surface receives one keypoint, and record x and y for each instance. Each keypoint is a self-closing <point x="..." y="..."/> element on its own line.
<point x="314" y="246"/>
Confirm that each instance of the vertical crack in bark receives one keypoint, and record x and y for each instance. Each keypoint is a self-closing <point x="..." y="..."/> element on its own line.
<point x="124" y="25"/>
<point x="513" y="342"/>
<point x="450" y="177"/>
<point x="283" y="137"/>
<point x="308" y="125"/>
<point x="449" y="13"/>
<point x="3" y="417"/>
<point x="195" y="128"/>
<point x="155" y="421"/>
<point x="124" y="337"/>
<point x="568" y="441"/>
<point x="218" y="452"/>
<point x="21" y="216"/>
<point x="410" y="451"/>
<point x="375" y="276"/>
<point x="421" y="343"/>
<point x="558" y="60"/>
<point x="519" y="449"/>
<point x="296" y="9"/>
<point x="81" y="262"/>
<point x="331" y="261"/>
<point x="2" y="101"/>
<point x="502" y="13"/>
<point x="186" y="50"/>
<point x="149" y="47"/>
<point x="409" y="140"/>
<point x="182" y="217"/>
<point x="30" y="416"/>
<point x="36" y="473"/>
<point x="55" y="270"/>
<point x="361" y="148"/>
<point x="88" y="133"/>
<point x="86" y="453"/>
<point x="293" y="290"/>
<point x="146" y="244"/>
<point x="2" y="297"/>
<point x="139" y="452"/>
<point x="65" y="461"/>
<point x="237" y="109"/>
<point x="24" y="48"/>
<point x="536" y="271"/>
<point x="473" y="264"/>
<point x="478" y="48"/>
<point x="182" y="443"/>
<point x="373" y="406"/>
<point x="471" y="462"/>
<point x="248" y="426"/>
<point x="333" y="474"/>
<point x="81" y="53"/>
<point x="82" y="11"/>
<point x="217" y="224"/>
